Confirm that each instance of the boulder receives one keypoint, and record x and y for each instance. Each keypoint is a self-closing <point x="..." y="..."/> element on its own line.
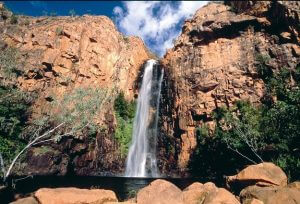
<point x="207" y="193"/>
<point x="263" y="174"/>
<point x="160" y="192"/>
<point x="192" y="194"/>
<point x="295" y="185"/>
<point x="74" y="196"/>
<point x="271" y="195"/>
<point x="252" y="201"/>
<point x="28" y="200"/>
<point x="220" y="196"/>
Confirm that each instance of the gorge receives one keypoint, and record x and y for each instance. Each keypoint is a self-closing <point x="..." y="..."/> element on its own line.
<point x="223" y="98"/>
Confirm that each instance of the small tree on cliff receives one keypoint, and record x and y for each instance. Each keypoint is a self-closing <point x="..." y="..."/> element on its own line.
<point x="72" y="114"/>
<point x="72" y="12"/>
<point x="241" y="133"/>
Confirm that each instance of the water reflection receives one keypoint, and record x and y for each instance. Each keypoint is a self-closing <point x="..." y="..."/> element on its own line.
<point x="124" y="187"/>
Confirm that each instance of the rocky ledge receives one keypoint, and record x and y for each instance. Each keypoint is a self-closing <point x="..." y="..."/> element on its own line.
<point x="263" y="183"/>
<point x="213" y="64"/>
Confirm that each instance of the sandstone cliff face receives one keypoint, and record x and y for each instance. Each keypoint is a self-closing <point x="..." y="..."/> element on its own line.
<point x="60" y="54"/>
<point x="213" y="63"/>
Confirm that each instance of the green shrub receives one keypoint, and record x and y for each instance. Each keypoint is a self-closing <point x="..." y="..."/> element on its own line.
<point x="75" y="110"/>
<point x="246" y="133"/>
<point x="72" y="12"/>
<point x="79" y="108"/>
<point x="9" y="64"/>
<point x="125" y="109"/>
<point x="125" y="112"/>
<point x="123" y="133"/>
<point x="14" y="19"/>
<point x="13" y="117"/>
<point x="59" y="30"/>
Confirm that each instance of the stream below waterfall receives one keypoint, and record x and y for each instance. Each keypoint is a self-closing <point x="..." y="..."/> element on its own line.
<point x="124" y="187"/>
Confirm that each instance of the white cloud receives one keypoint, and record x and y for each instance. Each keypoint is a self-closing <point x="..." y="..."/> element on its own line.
<point x="156" y="22"/>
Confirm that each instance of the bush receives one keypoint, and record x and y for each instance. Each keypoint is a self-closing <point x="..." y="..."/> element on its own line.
<point x="14" y="19"/>
<point x="72" y="12"/>
<point x="13" y="117"/>
<point x="123" y="133"/>
<point x="59" y="31"/>
<point x="76" y="111"/>
<point x="9" y="64"/>
<point x="125" y="109"/>
<point x="246" y="133"/>
<point x="125" y="112"/>
<point x="79" y="108"/>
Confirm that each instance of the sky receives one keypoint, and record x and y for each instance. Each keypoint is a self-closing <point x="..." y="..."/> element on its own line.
<point x="158" y="23"/>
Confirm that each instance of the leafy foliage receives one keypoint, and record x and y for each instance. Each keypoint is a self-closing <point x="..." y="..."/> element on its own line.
<point x="8" y="63"/>
<point x="14" y="106"/>
<point x="241" y="133"/>
<point x="125" y="109"/>
<point x="247" y="133"/>
<point x="72" y="12"/>
<point x="125" y="112"/>
<point x="13" y="116"/>
<point x="14" y="19"/>
<point x="59" y="31"/>
<point x="78" y="109"/>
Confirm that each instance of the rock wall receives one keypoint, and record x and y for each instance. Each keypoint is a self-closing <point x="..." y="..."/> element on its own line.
<point x="59" y="54"/>
<point x="213" y="64"/>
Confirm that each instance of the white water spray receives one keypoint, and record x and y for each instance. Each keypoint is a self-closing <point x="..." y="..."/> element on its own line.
<point x="141" y="160"/>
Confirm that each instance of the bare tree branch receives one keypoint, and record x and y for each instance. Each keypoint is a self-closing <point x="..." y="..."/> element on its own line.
<point x="246" y="140"/>
<point x="2" y="164"/>
<point x="26" y="147"/>
<point x="241" y="154"/>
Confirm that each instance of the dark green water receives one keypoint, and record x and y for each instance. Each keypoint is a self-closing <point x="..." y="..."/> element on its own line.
<point x="124" y="187"/>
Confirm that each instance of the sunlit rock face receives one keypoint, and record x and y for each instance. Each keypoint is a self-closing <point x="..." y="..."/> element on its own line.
<point x="86" y="50"/>
<point x="213" y="64"/>
<point x="60" y="54"/>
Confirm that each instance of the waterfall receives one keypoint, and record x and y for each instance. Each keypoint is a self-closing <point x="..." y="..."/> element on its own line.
<point x="141" y="160"/>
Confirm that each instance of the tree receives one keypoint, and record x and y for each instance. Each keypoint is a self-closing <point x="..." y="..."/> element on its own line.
<point x="241" y="127"/>
<point x="125" y="112"/>
<point x="72" y="12"/>
<point x="71" y="114"/>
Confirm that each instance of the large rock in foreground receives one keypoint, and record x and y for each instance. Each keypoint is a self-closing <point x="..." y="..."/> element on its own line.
<point x="207" y="193"/>
<point x="263" y="174"/>
<point x="74" y="196"/>
<point x="160" y="192"/>
<point x="29" y="200"/>
<point x="164" y="192"/>
<point x="271" y="195"/>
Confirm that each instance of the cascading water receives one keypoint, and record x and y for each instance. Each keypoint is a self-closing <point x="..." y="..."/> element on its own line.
<point x="141" y="160"/>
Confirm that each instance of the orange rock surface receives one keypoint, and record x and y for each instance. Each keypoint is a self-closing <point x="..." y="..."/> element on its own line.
<point x="213" y="63"/>
<point x="74" y="196"/>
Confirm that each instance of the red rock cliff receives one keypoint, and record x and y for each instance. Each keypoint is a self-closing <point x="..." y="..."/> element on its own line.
<point x="213" y="63"/>
<point x="63" y="53"/>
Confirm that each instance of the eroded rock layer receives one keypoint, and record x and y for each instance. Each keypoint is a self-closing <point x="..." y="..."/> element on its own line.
<point x="213" y="64"/>
<point x="60" y="54"/>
